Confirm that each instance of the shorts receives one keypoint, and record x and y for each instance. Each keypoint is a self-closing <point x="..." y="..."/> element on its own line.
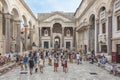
<point x="41" y="66"/>
<point x="65" y="65"/>
<point x="55" y="64"/>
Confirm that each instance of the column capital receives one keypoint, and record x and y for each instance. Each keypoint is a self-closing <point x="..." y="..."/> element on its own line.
<point x="7" y="15"/>
<point x="26" y="26"/>
<point x="109" y="12"/>
<point x="17" y="21"/>
<point x="97" y="20"/>
<point x="74" y="28"/>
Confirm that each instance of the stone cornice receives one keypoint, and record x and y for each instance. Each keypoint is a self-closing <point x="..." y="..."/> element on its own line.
<point x="78" y="8"/>
<point x="28" y="9"/>
<point x="118" y="38"/>
<point x="57" y="13"/>
<point x="86" y="9"/>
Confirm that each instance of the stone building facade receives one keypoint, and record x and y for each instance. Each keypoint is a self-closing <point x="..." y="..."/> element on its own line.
<point x="95" y="26"/>
<point x="98" y="27"/>
<point x="15" y="14"/>
<point x="56" y="30"/>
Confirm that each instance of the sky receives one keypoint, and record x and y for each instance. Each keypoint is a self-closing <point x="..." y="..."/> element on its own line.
<point x="45" y="6"/>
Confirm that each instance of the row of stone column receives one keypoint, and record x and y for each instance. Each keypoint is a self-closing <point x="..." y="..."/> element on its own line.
<point x="51" y="37"/>
<point x="26" y="37"/>
<point x="12" y="37"/>
<point x="7" y="37"/>
<point x="109" y="36"/>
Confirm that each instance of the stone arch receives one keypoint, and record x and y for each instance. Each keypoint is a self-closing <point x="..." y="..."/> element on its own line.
<point x="4" y="6"/>
<point x="15" y="14"/>
<point x="57" y="41"/>
<point x="92" y="19"/>
<point x="17" y="10"/>
<point x="15" y="18"/>
<point x="91" y="33"/>
<point x="30" y="24"/>
<point x="57" y="28"/>
<point x="90" y="14"/>
<point x="100" y="8"/>
<point x="24" y="19"/>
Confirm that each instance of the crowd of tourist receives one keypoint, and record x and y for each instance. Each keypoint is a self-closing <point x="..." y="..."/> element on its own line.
<point x="36" y="60"/>
<point x="6" y="58"/>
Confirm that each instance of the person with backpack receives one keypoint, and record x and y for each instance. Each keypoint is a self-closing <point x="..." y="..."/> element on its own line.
<point x="21" y="63"/>
<point x="31" y="65"/>
<point x="25" y="59"/>
<point x="35" y="57"/>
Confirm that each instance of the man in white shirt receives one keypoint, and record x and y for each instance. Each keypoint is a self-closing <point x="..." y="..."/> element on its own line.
<point x="78" y="57"/>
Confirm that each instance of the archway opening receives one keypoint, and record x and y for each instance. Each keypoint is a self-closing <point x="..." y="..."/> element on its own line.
<point x="92" y="33"/>
<point x="57" y="42"/>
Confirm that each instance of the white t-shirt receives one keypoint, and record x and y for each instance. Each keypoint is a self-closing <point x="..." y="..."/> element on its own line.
<point x="102" y="54"/>
<point x="77" y="56"/>
<point x="61" y="53"/>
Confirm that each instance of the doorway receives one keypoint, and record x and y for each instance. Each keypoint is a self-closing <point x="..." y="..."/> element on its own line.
<point x="68" y="45"/>
<point x="118" y="53"/>
<point x="46" y="44"/>
<point x="57" y="42"/>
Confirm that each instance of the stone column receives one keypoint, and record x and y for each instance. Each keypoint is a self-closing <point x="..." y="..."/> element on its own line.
<point x="39" y="30"/>
<point x="7" y="32"/>
<point x="1" y="38"/>
<point x="74" y="37"/>
<point x="1" y="25"/>
<point x="51" y="37"/>
<point x="13" y="36"/>
<point x="26" y="36"/>
<point x="31" y="41"/>
<point x="96" y="36"/>
<point x="18" y="39"/>
<point x="63" y="37"/>
<point x="109" y="35"/>
<point x="88" y="29"/>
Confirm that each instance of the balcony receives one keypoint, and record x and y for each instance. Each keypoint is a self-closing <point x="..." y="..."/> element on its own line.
<point x="117" y="5"/>
<point x="102" y="38"/>
<point x="102" y="15"/>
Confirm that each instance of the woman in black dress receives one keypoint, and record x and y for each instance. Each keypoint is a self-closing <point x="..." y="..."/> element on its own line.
<point x="31" y="65"/>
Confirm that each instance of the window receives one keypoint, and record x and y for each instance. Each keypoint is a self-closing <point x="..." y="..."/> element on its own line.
<point x="46" y="32"/>
<point x="46" y="45"/>
<point x="103" y="28"/>
<point x="104" y="48"/>
<point x="118" y="23"/>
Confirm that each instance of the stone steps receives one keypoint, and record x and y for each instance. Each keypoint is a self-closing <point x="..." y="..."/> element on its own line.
<point x="7" y="68"/>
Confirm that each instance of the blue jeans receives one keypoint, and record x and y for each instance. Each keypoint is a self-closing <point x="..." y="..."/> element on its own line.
<point x="80" y="59"/>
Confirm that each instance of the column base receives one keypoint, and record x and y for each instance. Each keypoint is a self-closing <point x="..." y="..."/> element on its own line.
<point x="2" y="47"/>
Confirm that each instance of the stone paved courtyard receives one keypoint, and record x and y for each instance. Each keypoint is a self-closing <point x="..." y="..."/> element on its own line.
<point x="75" y="72"/>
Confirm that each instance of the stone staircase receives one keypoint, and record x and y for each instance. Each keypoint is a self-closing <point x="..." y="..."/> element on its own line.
<point x="7" y="67"/>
